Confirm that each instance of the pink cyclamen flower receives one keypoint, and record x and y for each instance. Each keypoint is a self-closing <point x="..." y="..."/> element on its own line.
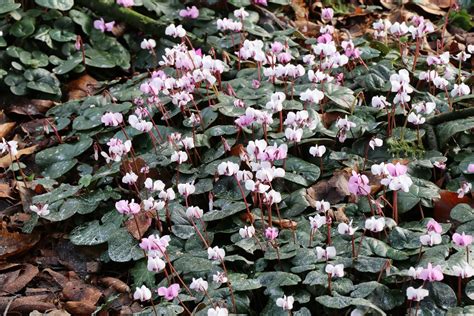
<point x="112" y="118"/>
<point x="155" y="243"/>
<point x="335" y="270"/>
<point x="470" y="168"/>
<point x="148" y="44"/>
<point x="126" y="3"/>
<point x="346" y="229"/>
<point x="102" y="26"/>
<point x="359" y="184"/>
<point x="464" y="189"/>
<point x="169" y="293"/>
<point x="276" y="47"/>
<point x="375" y="142"/>
<point x="216" y="253"/>
<point x="261" y="2"/>
<point x="189" y="12"/>
<point x="142" y="294"/>
<point x="434" y="226"/>
<point x="271" y="233"/>
<point x="464" y="270"/>
<point x="40" y="210"/>
<point x="285" y="302"/>
<point x="416" y="294"/>
<point x="327" y="14"/>
<point x="317" y="151"/>
<point x="431" y="273"/>
<point x="462" y="240"/>
<point x="397" y="177"/>
<point x="127" y="208"/>
<point x="326" y="254"/>
<point x="217" y="311"/>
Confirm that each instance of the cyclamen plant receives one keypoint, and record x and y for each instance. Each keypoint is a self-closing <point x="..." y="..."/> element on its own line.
<point x="221" y="145"/>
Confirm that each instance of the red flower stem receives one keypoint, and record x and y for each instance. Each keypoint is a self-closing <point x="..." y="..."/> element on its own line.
<point x="395" y="206"/>
<point x="234" y="306"/>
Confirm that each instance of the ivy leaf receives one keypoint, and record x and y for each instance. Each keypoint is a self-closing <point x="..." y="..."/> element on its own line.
<point x="56" y="161"/>
<point x="9" y="5"/>
<point x="123" y="247"/>
<point x="462" y="213"/>
<point x="342" y="96"/>
<point x="62" y="5"/>
<point x="300" y="171"/>
<point x="447" y="130"/>
<point x="240" y="282"/>
<point x="278" y="278"/>
<point x="94" y="233"/>
<point x="443" y="294"/>
<point x="23" y="28"/>
<point x="334" y="302"/>
<point x="187" y="263"/>
<point x="42" y="80"/>
<point x="227" y="208"/>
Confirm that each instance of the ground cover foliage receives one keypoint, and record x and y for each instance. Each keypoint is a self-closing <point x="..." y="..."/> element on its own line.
<point x="237" y="157"/>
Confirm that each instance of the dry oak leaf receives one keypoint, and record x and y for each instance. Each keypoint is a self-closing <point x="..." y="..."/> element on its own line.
<point x="82" y="87"/>
<point x="6" y="128"/>
<point x="79" y="308"/>
<point x="56" y="312"/>
<point x="76" y="290"/>
<point x="143" y="219"/>
<point x="6" y="160"/>
<point x="116" y="284"/>
<point x="333" y="190"/>
<point x="15" y="243"/>
<point x="5" y="190"/>
<point x="26" y="304"/>
<point x="14" y="282"/>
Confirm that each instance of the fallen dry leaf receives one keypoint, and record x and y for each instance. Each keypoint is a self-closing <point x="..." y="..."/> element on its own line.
<point x="447" y="201"/>
<point x="333" y="190"/>
<point x="392" y="4"/>
<point x="80" y="308"/>
<point x="56" y="312"/>
<point x="431" y="6"/>
<point x="15" y="243"/>
<point x="5" y="190"/>
<point x="6" y="160"/>
<point x="116" y="284"/>
<point x="58" y="277"/>
<point x="143" y="219"/>
<point x="76" y="290"/>
<point x="6" y="128"/>
<point x="14" y="282"/>
<point x="301" y="10"/>
<point x="26" y="304"/>
<point x="25" y="106"/>
<point x="82" y="87"/>
<point x="285" y="223"/>
<point x="339" y="214"/>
